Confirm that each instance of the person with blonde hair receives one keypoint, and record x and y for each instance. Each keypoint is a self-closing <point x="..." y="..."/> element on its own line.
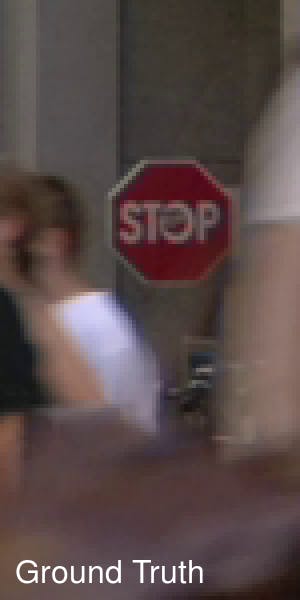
<point x="105" y="363"/>
<point x="261" y="409"/>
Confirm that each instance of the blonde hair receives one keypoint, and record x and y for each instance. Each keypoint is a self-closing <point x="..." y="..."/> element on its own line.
<point x="59" y="207"/>
<point x="16" y="192"/>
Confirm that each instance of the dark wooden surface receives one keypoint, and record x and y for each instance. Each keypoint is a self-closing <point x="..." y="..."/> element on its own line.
<point x="94" y="492"/>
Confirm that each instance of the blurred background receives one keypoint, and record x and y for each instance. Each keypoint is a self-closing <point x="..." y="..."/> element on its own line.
<point x="89" y="87"/>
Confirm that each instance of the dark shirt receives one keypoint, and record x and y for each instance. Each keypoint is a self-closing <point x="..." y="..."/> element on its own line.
<point x="19" y="387"/>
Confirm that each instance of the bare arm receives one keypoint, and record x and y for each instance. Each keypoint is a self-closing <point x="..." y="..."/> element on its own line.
<point x="62" y="366"/>
<point x="262" y="342"/>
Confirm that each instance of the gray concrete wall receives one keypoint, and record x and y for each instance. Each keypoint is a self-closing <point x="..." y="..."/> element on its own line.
<point x="194" y="76"/>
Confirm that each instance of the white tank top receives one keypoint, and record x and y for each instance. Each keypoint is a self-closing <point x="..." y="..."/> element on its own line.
<point x="109" y="341"/>
<point x="272" y="185"/>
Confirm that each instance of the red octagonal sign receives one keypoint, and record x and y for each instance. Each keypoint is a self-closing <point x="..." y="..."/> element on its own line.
<point x="170" y="221"/>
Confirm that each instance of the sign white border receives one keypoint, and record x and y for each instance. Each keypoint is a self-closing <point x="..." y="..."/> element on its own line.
<point x="121" y="186"/>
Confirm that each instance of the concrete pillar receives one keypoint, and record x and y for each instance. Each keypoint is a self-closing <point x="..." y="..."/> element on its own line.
<point x="290" y="21"/>
<point x="61" y="101"/>
<point x="20" y="80"/>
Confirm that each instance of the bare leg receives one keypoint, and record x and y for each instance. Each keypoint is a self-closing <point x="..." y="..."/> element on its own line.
<point x="261" y="346"/>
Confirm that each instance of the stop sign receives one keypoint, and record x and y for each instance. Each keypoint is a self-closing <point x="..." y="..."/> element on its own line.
<point x="170" y="221"/>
